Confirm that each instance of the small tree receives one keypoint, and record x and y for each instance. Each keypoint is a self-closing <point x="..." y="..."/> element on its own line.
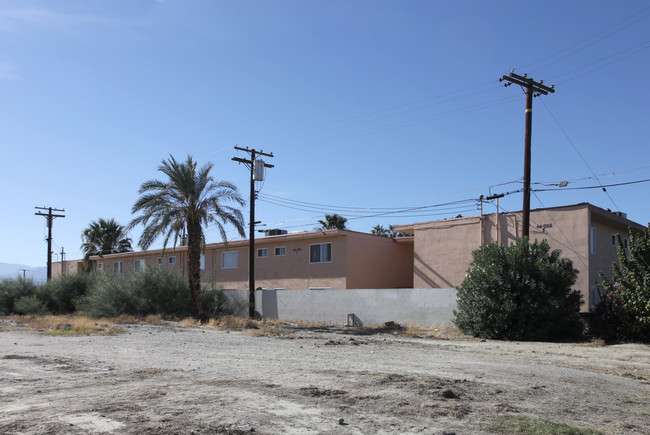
<point x="379" y="230"/>
<point x="624" y="310"/>
<point x="332" y="222"/>
<point x="521" y="292"/>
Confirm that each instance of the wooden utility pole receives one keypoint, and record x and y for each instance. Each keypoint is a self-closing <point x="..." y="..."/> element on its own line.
<point x="533" y="89"/>
<point x="50" y="218"/>
<point x="253" y="164"/>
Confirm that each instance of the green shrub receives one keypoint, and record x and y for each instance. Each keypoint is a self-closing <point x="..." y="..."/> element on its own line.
<point x="624" y="311"/>
<point x="152" y="291"/>
<point x="11" y="290"/>
<point x="29" y="305"/>
<point x="60" y="294"/>
<point x="521" y="292"/>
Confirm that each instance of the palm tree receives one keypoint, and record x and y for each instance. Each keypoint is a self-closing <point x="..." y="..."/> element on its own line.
<point x="379" y="230"/>
<point x="104" y="237"/>
<point x="187" y="200"/>
<point x="332" y="222"/>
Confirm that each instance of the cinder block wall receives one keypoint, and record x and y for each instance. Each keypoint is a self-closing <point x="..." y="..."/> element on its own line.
<point x="371" y="307"/>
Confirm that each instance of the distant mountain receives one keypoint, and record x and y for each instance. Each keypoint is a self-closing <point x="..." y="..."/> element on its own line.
<point x="8" y="270"/>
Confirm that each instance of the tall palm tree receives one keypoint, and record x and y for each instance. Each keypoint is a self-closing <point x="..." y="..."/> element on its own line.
<point x="332" y="222"/>
<point x="104" y="237"/>
<point x="379" y="230"/>
<point x="187" y="200"/>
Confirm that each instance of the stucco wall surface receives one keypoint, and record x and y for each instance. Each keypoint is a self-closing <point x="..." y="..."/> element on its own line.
<point x="419" y="307"/>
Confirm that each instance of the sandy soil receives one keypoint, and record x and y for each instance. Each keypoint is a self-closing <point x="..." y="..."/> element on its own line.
<point x="166" y="379"/>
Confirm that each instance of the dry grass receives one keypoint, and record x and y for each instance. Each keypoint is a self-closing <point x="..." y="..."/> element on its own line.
<point x="269" y="331"/>
<point x="154" y="319"/>
<point x="126" y="319"/>
<point x="66" y="325"/>
<point x="443" y="332"/>
<point x="189" y="322"/>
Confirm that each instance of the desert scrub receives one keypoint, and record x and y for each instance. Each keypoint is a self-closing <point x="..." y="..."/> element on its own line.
<point x="520" y="292"/>
<point x="61" y="294"/>
<point x="153" y="291"/>
<point x="12" y="290"/>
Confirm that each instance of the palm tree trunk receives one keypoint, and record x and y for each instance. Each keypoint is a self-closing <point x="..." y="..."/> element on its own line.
<point x="194" y="264"/>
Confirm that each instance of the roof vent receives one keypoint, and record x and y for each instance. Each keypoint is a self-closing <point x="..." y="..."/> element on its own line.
<point x="620" y="213"/>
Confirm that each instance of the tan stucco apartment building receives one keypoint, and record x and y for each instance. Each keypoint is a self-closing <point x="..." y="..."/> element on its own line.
<point x="437" y="255"/>
<point x="585" y="233"/>
<point x="328" y="259"/>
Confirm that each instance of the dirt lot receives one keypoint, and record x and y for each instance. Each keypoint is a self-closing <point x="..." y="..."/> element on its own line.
<point x="164" y="379"/>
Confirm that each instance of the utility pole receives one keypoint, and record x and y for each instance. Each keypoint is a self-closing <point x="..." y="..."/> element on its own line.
<point x="50" y="217"/>
<point x="23" y="271"/>
<point x="257" y="174"/>
<point x="533" y="89"/>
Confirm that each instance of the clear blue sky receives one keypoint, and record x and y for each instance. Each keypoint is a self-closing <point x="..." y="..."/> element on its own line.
<point x="366" y="105"/>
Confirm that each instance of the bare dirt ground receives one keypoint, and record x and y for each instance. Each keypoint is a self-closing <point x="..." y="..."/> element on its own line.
<point x="164" y="379"/>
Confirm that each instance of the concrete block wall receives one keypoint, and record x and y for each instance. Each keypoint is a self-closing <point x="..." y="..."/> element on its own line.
<point x="370" y="307"/>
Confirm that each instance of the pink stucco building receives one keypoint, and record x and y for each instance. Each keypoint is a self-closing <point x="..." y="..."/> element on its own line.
<point x="585" y="233"/>
<point x="328" y="259"/>
<point x="438" y="254"/>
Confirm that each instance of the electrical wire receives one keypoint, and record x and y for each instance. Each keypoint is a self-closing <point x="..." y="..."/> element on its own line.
<point x="578" y="152"/>
<point x="600" y="186"/>
<point x="645" y="12"/>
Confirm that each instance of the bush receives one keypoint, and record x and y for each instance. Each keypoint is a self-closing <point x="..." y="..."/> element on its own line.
<point x="521" y="292"/>
<point x="60" y="294"/>
<point x="11" y="290"/>
<point x="29" y="305"/>
<point x="624" y="311"/>
<point x="148" y="292"/>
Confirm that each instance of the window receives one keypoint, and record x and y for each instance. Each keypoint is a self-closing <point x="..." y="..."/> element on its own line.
<point x="172" y="260"/>
<point x="320" y="253"/>
<point x="161" y="260"/>
<point x="100" y="266"/>
<point x="202" y="262"/>
<point x="229" y="260"/>
<point x="280" y="251"/>
<point x="117" y="267"/>
<point x="592" y="240"/>
<point x="625" y="243"/>
<point x="262" y="252"/>
<point x="138" y="265"/>
<point x="613" y="239"/>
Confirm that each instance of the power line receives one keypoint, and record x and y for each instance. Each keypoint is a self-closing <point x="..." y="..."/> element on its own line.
<point x="609" y="31"/>
<point x="600" y="186"/>
<point x="578" y="152"/>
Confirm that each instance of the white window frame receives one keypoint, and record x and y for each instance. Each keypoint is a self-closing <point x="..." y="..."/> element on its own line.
<point x="592" y="240"/>
<point x="118" y="267"/>
<point x="172" y="259"/>
<point x="281" y="249"/>
<point x="262" y="252"/>
<point x="234" y="260"/>
<point x="100" y="266"/>
<point x="137" y="261"/>
<point x="320" y="253"/>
